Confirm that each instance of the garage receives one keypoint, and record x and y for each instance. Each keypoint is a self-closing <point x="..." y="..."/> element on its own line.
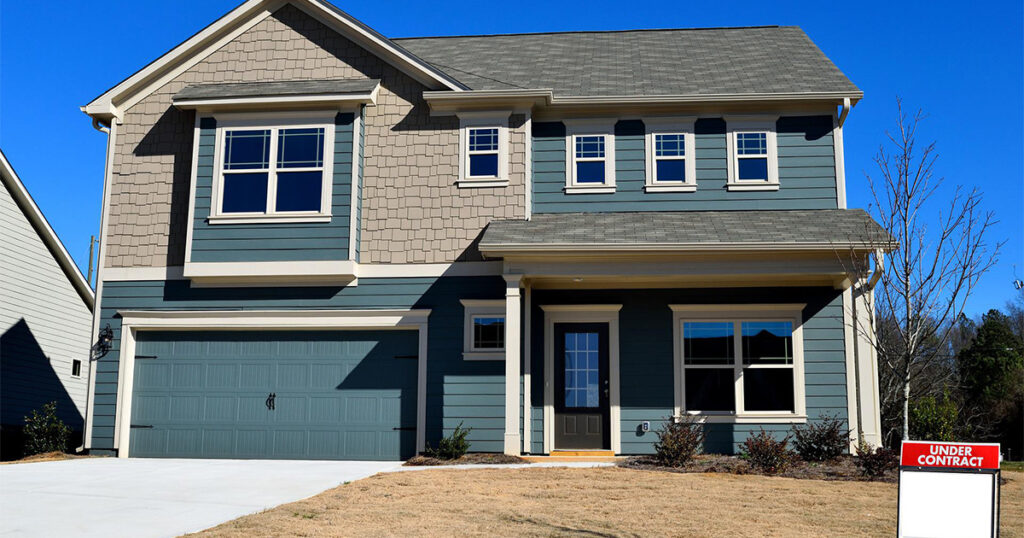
<point x="342" y="394"/>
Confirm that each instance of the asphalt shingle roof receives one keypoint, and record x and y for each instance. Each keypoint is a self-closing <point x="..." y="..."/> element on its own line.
<point x="776" y="59"/>
<point x="839" y="227"/>
<point x="272" y="89"/>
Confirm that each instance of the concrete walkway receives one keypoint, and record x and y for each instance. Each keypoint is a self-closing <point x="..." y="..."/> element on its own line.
<point x="149" y="497"/>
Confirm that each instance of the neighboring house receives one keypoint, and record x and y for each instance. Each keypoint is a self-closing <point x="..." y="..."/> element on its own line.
<point x="318" y="242"/>
<point x="45" y="318"/>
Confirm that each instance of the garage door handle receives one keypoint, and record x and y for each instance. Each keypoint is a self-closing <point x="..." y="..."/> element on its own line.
<point x="404" y="429"/>
<point x="141" y="427"/>
<point x="270" y="401"/>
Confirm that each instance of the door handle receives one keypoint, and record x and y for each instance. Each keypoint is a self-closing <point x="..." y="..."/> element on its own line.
<point x="270" y="401"/>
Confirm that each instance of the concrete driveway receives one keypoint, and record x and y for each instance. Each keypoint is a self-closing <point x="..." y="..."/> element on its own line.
<point x="150" y="497"/>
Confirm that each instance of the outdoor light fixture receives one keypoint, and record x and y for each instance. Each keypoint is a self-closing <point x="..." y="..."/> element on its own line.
<point x="102" y="346"/>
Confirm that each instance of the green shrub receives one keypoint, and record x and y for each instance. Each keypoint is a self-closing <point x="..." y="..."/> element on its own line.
<point x="44" y="432"/>
<point x="766" y="453"/>
<point x="934" y="419"/>
<point x="679" y="441"/>
<point x="822" y="441"/>
<point x="451" y="447"/>
<point x="874" y="463"/>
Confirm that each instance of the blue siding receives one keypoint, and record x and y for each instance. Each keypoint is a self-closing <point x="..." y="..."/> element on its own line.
<point x="806" y="171"/>
<point x="447" y="374"/>
<point x="359" y="182"/>
<point x="274" y="242"/>
<point x="645" y="370"/>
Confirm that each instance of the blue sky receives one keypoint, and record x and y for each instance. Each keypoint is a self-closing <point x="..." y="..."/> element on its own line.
<point x="963" y="66"/>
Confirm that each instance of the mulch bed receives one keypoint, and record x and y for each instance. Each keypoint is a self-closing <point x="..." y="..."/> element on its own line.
<point x="840" y="469"/>
<point x="475" y="458"/>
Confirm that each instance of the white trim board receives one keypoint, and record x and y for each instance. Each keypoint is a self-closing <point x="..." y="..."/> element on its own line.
<point x="582" y="313"/>
<point x="367" y="270"/>
<point x="134" y="321"/>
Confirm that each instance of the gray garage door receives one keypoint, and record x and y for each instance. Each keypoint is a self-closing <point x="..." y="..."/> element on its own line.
<point x="336" y="395"/>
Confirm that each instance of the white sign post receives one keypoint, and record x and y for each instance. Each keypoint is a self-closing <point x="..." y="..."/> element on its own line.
<point x="948" y="490"/>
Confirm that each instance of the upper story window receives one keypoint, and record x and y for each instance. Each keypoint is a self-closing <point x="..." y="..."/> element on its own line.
<point x="590" y="166"/>
<point x="753" y="155"/>
<point x="483" y="143"/>
<point x="749" y="363"/>
<point x="273" y="170"/>
<point x="671" y="162"/>
<point x="484" y="335"/>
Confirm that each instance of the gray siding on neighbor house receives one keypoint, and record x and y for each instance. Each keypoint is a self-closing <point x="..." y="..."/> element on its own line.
<point x="646" y="355"/>
<point x="806" y="171"/>
<point x="470" y="392"/>
<point x="274" y="241"/>
<point x="44" y="325"/>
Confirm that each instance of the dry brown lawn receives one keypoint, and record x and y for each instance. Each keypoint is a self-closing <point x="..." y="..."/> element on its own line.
<point x="46" y="456"/>
<point x="595" y="502"/>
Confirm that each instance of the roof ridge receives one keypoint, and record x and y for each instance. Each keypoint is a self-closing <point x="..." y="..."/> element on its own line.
<point x="630" y="30"/>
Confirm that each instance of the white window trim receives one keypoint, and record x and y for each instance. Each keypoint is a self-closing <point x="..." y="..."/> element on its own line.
<point x="485" y="120"/>
<point x="576" y="128"/>
<point x="293" y="120"/>
<point x="737" y="314"/>
<point x="475" y="308"/>
<point x="683" y="126"/>
<point x="747" y="125"/>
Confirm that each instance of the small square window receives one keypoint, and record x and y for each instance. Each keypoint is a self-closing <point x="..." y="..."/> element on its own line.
<point x="76" y="368"/>
<point x="753" y="158"/>
<point x="483" y="149"/>
<point x="488" y="332"/>
<point x="590" y="159"/>
<point x="670" y="163"/>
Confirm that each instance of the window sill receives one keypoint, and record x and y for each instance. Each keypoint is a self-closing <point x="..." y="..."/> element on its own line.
<point x="483" y="355"/>
<point x="749" y="418"/>
<point x="472" y="183"/>
<point x="598" y="189"/>
<point x="668" y="187"/>
<point x="752" y="186"/>
<point x="266" y="219"/>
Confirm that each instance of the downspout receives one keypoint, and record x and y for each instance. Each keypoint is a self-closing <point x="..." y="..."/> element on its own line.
<point x="876" y="274"/>
<point x="90" y="382"/>
<point x="845" y="111"/>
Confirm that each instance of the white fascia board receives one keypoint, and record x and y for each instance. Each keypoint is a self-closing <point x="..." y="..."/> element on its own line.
<point x="512" y="248"/>
<point x="143" y="82"/>
<point x="330" y="100"/>
<point x="49" y="237"/>
<point x="327" y="272"/>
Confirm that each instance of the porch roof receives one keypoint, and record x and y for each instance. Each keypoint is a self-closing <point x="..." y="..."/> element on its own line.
<point x="818" y="229"/>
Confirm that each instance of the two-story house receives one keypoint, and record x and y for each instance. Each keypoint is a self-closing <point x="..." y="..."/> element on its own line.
<point x="319" y="242"/>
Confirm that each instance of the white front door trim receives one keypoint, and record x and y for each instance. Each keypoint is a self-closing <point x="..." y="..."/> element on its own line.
<point x="582" y="313"/>
<point x="280" y="320"/>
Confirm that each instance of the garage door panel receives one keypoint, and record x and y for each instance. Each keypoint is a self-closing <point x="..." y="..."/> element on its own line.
<point x="339" y="394"/>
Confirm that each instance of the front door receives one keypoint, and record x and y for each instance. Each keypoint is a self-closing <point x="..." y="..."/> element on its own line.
<point x="581" y="386"/>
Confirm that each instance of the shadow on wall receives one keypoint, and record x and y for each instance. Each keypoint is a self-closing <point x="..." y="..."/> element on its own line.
<point x="27" y="381"/>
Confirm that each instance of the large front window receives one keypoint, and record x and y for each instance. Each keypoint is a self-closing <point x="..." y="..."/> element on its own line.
<point x="739" y="366"/>
<point x="273" y="171"/>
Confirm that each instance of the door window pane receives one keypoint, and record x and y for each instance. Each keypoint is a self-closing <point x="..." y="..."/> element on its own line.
<point x="245" y="193"/>
<point x="768" y="389"/>
<point x="489" y="332"/>
<point x="710" y="389"/>
<point x="247" y="150"/>
<point x="708" y="342"/>
<point x="582" y="370"/>
<point x="299" y="191"/>
<point x="767" y="342"/>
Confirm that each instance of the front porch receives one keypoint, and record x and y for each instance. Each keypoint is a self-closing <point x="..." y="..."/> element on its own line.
<point x="607" y="341"/>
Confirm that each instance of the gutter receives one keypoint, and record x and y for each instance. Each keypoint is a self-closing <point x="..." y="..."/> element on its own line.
<point x="548" y="98"/>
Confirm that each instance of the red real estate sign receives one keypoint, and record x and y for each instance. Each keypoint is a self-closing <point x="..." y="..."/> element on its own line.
<point x="950" y="455"/>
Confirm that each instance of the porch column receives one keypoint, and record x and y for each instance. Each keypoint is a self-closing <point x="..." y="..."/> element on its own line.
<point x="513" y="443"/>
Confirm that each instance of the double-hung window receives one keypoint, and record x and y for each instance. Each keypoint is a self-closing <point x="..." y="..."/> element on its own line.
<point x="590" y="158"/>
<point x="753" y="155"/>
<point x="740" y="365"/>
<point x="483" y="143"/>
<point x="484" y="337"/>
<point x="671" y="163"/>
<point x="275" y="171"/>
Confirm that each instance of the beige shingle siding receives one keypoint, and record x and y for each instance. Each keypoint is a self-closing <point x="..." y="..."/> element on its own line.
<point x="412" y="210"/>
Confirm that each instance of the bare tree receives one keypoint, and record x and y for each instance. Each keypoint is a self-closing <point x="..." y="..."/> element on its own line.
<point x="939" y="252"/>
